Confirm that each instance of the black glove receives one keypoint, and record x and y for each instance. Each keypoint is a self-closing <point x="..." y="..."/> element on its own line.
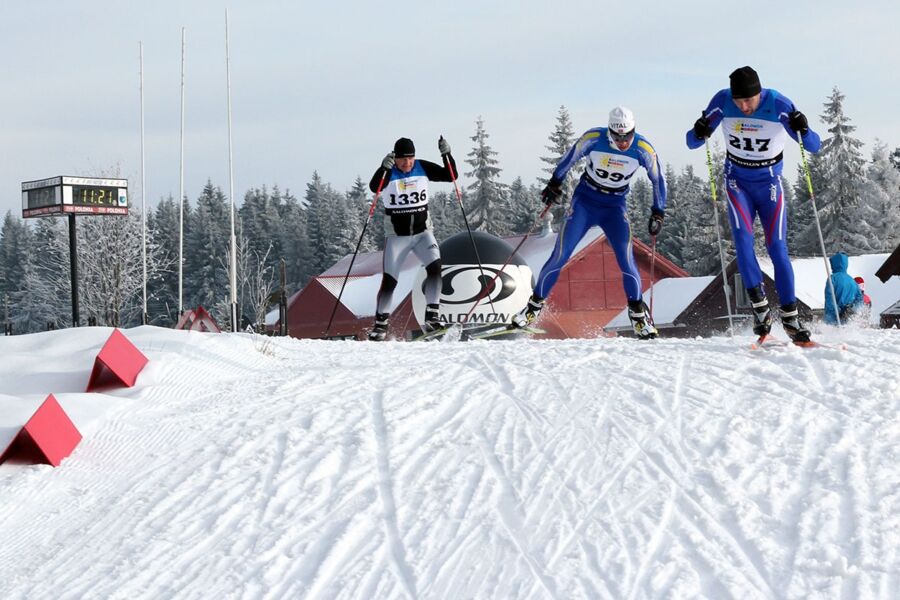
<point x="552" y="193"/>
<point x="443" y="146"/>
<point x="654" y="226"/>
<point x="388" y="163"/>
<point x="798" y="122"/>
<point x="702" y="128"/>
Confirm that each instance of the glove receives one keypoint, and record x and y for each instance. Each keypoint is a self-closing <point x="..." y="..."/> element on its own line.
<point x="798" y="122"/>
<point x="654" y="226"/>
<point x="702" y="128"/>
<point x="552" y="193"/>
<point x="443" y="146"/>
<point x="388" y="163"/>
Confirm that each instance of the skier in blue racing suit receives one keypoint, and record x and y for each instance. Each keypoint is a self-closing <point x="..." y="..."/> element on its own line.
<point x="613" y="154"/>
<point x="756" y="122"/>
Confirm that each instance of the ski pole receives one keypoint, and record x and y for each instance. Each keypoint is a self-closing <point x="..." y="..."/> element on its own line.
<point x="712" y="187"/>
<point x="490" y="285"/>
<point x="812" y="198"/>
<point x="466" y="221"/>
<point x="652" y="272"/>
<point x="355" y="252"/>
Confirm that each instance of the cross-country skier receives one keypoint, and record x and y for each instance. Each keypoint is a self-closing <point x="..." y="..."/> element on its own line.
<point x="756" y="122"/>
<point x="614" y="154"/>
<point x="403" y="181"/>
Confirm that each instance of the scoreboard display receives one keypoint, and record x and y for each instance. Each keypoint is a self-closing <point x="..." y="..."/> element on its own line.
<point x="74" y="195"/>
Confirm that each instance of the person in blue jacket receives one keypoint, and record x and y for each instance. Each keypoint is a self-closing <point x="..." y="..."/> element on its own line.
<point x="756" y="122"/>
<point x="847" y="292"/>
<point x="613" y="155"/>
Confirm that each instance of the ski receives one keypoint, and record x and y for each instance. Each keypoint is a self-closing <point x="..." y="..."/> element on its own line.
<point x="431" y="335"/>
<point x="504" y="330"/>
<point x="768" y="341"/>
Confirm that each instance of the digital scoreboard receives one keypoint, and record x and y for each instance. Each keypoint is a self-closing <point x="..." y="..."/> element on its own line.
<point x="74" y="195"/>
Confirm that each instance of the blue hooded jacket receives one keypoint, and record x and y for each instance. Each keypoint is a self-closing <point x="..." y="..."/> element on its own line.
<point x="846" y="289"/>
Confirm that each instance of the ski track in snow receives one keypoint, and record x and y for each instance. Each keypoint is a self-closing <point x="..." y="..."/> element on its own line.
<point x="242" y="467"/>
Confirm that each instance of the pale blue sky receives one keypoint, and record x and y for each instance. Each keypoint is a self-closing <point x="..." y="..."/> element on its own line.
<point x="328" y="86"/>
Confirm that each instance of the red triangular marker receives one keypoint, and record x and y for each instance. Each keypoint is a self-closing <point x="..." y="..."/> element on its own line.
<point x="118" y="363"/>
<point x="48" y="436"/>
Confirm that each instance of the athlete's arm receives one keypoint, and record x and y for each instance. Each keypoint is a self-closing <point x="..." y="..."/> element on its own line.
<point x="436" y="172"/>
<point x="578" y="151"/>
<point x="713" y="113"/>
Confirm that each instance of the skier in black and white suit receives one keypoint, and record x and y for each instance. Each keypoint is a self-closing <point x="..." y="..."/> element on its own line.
<point x="404" y="196"/>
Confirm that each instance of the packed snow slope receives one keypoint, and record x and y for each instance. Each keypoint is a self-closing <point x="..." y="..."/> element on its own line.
<point x="247" y="467"/>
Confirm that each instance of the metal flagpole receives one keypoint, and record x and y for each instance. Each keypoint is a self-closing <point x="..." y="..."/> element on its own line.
<point x="181" y="195"/>
<point x="143" y="189"/>
<point x="234" y="316"/>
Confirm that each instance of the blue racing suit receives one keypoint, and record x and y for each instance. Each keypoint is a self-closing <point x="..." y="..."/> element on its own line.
<point x="753" y="166"/>
<point x="599" y="199"/>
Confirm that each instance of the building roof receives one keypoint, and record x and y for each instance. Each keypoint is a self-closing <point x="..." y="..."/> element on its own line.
<point x="673" y="296"/>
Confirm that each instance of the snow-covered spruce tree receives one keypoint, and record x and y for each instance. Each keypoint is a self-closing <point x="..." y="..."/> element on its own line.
<point x="524" y="206"/>
<point x="895" y="158"/>
<point x="671" y="241"/>
<point x="162" y="305"/>
<point x="358" y="202"/>
<point x="877" y="215"/>
<point x="207" y="281"/>
<point x="46" y="293"/>
<point x="700" y="253"/>
<point x="333" y="228"/>
<point x="843" y="168"/>
<point x="638" y="203"/>
<point x="294" y="241"/>
<point x="487" y="196"/>
<point x="110" y="268"/>
<point x="446" y="218"/>
<point x="14" y="248"/>
<point x="561" y="139"/>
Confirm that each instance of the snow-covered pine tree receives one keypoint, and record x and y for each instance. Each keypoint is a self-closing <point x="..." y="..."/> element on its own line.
<point x="877" y="214"/>
<point x="843" y="167"/>
<point x="163" y="223"/>
<point x="672" y="240"/>
<point x="895" y="158"/>
<point x="446" y="217"/>
<point x="524" y="206"/>
<point x="358" y="201"/>
<point x="110" y="268"/>
<point x="562" y="138"/>
<point x="700" y="254"/>
<point x="14" y="248"/>
<point x="46" y="293"/>
<point x="295" y="242"/>
<point x="487" y="196"/>
<point x="638" y="203"/>
<point x="207" y="281"/>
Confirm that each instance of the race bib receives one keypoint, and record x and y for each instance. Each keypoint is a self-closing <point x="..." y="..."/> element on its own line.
<point x="754" y="139"/>
<point x="406" y="192"/>
<point x="611" y="171"/>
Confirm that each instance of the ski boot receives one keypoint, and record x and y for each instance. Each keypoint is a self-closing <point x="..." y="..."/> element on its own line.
<point x="432" y="318"/>
<point x="790" y="320"/>
<point x="640" y="320"/>
<point x="529" y="314"/>
<point x="379" y="330"/>
<point x="762" y="315"/>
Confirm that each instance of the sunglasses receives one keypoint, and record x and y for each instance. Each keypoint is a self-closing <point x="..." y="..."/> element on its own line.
<point x="621" y="137"/>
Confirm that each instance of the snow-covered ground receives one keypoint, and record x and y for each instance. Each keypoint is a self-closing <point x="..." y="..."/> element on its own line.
<point x="246" y="467"/>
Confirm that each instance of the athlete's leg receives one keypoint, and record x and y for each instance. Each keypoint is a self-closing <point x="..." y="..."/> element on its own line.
<point x="614" y="222"/>
<point x="577" y="222"/>
<point x="741" y="214"/>
<point x="769" y="202"/>
<point x="396" y="247"/>
<point x="426" y="249"/>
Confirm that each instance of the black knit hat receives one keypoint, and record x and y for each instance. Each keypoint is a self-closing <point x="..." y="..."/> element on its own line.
<point x="404" y="147"/>
<point x="744" y="83"/>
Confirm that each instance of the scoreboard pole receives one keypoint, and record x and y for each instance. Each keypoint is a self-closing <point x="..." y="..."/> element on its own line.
<point x="73" y="264"/>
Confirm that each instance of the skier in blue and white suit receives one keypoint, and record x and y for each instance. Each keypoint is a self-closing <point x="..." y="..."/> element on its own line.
<point x="613" y="154"/>
<point x="756" y="123"/>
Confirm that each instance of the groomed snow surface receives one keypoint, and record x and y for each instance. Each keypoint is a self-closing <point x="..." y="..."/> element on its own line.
<point x="248" y="467"/>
